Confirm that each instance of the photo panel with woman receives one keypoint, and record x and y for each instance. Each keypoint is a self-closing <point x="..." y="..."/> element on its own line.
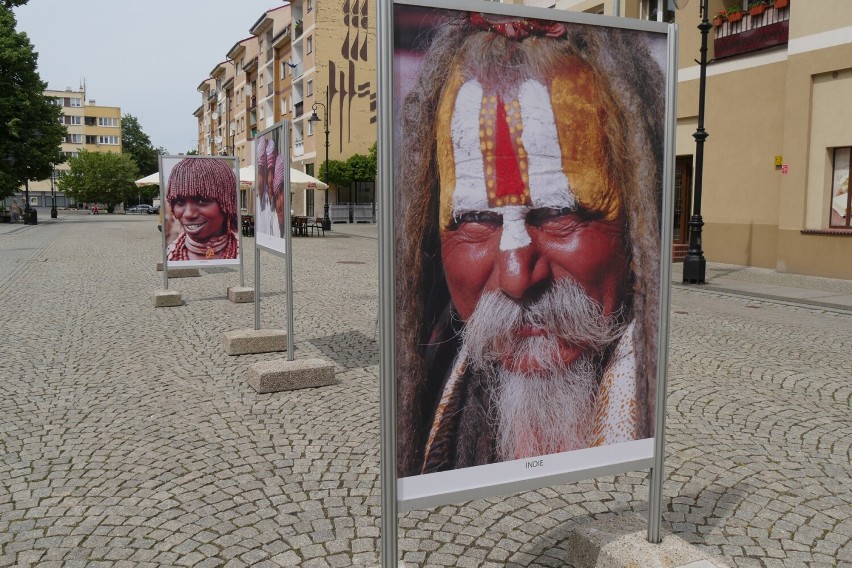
<point x="528" y="161"/>
<point x="200" y="210"/>
<point x="270" y="197"/>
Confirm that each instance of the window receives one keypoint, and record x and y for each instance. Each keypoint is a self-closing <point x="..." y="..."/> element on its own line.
<point x="69" y="155"/>
<point x="74" y="139"/>
<point x="75" y="102"/>
<point x="107" y="121"/>
<point x="841" y="197"/>
<point x="649" y="10"/>
<point x="310" y="88"/>
<point x="74" y="120"/>
<point x="309" y="44"/>
<point x="91" y="139"/>
<point x="310" y="128"/>
<point x="109" y="140"/>
<point x="284" y="67"/>
<point x="91" y="121"/>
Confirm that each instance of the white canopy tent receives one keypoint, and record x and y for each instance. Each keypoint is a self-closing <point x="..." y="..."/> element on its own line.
<point x="298" y="180"/>
<point x="152" y="179"/>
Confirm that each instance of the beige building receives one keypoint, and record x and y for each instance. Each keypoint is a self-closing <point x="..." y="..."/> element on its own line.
<point x="300" y="54"/>
<point x="777" y="160"/>
<point x="90" y="127"/>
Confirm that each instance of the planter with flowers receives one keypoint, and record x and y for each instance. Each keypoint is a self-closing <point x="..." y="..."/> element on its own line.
<point x="719" y="19"/>
<point x="757" y="8"/>
<point x="781" y="4"/>
<point x="735" y="14"/>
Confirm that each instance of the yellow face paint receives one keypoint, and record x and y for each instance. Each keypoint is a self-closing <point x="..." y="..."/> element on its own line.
<point x="576" y="98"/>
<point x="553" y="137"/>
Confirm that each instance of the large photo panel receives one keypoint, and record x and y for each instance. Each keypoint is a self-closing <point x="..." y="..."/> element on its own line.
<point x="270" y="198"/>
<point x="200" y="210"/>
<point x="528" y="164"/>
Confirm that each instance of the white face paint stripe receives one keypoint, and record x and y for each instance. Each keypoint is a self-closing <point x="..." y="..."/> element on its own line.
<point x="549" y="186"/>
<point x="515" y="233"/>
<point x="470" y="192"/>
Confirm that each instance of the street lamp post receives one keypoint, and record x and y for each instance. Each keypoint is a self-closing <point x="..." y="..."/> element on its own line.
<point x="326" y="221"/>
<point x="694" y="264"/>
<point x="53" y="212"/>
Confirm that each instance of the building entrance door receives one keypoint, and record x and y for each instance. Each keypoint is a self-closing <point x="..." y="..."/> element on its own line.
<point x="683" y="201"/>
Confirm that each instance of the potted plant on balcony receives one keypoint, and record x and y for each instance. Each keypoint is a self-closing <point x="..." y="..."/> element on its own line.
<point x="735" y="14"/>
<point x="720" y="18"/>
<point x="758" y="7"/>
<point x="781" y="4"/>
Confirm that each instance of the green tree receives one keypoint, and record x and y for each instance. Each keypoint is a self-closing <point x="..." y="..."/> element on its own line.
<point x="361" y="168"/>
<point x="101" y="177"/>
<point x="30" y="132"/>
<point x="138" y="145"/>
<point x="339" y="173"/>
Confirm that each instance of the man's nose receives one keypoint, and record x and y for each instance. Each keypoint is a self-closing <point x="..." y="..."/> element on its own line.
<point x="522" y="271"/>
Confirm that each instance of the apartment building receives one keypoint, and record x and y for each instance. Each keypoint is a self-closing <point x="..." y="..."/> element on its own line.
<point x="777" y="160"/>
<point x="90" y="127"/>
<point x="298" y="55"/>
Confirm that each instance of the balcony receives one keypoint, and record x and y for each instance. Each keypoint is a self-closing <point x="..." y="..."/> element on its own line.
<point x="298" y="148"/>
<point x="752" y="33"/>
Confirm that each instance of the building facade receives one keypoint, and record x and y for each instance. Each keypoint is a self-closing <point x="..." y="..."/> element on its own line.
<point x="298" y="55"/>
<point x="777" y="160"/>
<point x="90" y="127"/>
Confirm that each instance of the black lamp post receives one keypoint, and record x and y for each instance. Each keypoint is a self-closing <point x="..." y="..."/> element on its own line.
<point x="53" y="212"/>
<point x="694" y="264"/>
<point x="326" y="221"/>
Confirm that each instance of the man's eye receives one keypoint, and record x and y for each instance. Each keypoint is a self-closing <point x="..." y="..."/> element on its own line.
<point x="489" y="218"/>
<point x="180" y="201"/>
<point x="546" y="215"/>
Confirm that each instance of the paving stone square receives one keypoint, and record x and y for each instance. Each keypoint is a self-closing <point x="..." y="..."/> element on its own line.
<point x="128" y="437"/>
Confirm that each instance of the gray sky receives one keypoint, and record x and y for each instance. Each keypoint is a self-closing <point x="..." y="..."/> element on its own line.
<point x="146" y="57"/>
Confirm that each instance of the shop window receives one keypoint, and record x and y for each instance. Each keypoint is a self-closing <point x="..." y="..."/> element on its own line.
<point x="841" y="197"/>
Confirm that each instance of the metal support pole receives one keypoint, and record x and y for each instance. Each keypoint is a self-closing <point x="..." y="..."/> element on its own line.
<point x="387" y="315"/>
<point x="694" y="264"/>
<point x="658" y="473"/>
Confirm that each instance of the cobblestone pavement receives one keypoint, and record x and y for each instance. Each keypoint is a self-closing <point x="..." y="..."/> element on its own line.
<point x="128" y="437"/>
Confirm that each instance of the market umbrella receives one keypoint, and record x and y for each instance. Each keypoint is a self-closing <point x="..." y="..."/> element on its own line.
<point x="298" y="180"/>
<point x="152" y="179"/>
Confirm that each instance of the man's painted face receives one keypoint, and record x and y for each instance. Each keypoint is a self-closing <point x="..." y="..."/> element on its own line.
<point x="526" y="196"/>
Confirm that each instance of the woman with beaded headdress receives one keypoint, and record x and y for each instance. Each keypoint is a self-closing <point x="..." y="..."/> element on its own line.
<point x="202" y="197"/>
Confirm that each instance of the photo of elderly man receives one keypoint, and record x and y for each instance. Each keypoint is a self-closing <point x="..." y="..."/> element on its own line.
<point x="527" y="194"/>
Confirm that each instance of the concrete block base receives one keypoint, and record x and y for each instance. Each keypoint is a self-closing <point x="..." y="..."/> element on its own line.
<point x="240" y="294"/>
<point x="245" y="341"/>
<point x="180" y="272"/>
<point x="167" y="299"/>
<point x="283" y="375"/>
<point x="622" y="542"/>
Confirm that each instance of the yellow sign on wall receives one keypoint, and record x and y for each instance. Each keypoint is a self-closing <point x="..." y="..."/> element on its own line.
<point x="779" y="160"/>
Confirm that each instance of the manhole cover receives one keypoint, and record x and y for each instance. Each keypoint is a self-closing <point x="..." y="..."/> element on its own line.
<point x="350" y="262"/>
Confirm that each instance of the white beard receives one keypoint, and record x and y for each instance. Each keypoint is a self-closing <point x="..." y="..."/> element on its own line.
<point x="547" y="409"/>
<point x="543" y="414"/>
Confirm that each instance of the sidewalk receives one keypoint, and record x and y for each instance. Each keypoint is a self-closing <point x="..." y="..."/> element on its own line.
<point x="769" y="284"/>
